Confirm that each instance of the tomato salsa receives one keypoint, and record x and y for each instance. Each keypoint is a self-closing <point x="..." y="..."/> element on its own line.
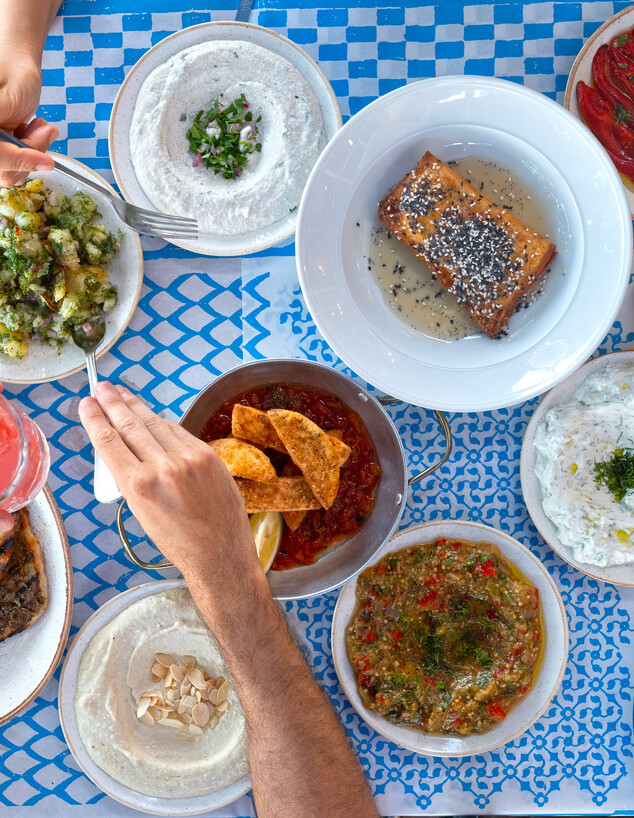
<point x="358" y="478"/>
<point x="446" y="637"/>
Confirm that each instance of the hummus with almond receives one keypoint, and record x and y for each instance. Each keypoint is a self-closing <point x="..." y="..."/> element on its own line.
<point x="115" y="680"/>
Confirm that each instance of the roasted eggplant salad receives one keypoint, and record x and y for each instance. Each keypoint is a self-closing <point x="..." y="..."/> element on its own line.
<point x="51" y="252"/>
<point x="446" y="637"/>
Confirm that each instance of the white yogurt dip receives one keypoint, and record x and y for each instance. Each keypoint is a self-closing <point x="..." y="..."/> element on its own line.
<point x="290" y="130"/>
<point x="572" y="438"/>
<point x="115" y="671"/>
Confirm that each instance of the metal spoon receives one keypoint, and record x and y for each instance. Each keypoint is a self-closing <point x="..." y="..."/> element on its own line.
<point x="88" y="336"/>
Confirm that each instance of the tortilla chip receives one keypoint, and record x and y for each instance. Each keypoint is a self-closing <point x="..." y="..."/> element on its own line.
<point x="244" y="460"/>
<point x="315" y="452"/>
<point x="293" y="519"/>
<point x="342" y="448"/>
<point x="253" y="425"/>
<point x="283" y="494"/>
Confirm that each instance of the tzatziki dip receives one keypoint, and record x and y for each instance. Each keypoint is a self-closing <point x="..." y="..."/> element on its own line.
<point x="114" y="674"/>
<point x="575" y="443"/>
<point x="289" y="124"/>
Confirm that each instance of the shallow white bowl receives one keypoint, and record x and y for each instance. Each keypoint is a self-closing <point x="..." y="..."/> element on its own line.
<point x="123" y="109"/>
<point x="553" y="662"/>
<point x="582" y="67"/>
<point x="535" y="139"/>
<point x="68" y="719"/>
<point x="531" y="488"/>
<point x="29" y="659"/>
<point x="45" y="363"/>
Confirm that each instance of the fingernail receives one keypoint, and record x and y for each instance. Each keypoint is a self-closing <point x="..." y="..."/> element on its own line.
<point x="103" y="387"/>
<point x="42" y="166"/>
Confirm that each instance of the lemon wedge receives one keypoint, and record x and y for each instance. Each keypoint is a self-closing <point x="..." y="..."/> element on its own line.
<point x="267" y="533"/>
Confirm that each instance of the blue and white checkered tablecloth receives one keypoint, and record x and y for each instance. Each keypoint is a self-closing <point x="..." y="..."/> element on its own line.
<point x="198" y="317"/>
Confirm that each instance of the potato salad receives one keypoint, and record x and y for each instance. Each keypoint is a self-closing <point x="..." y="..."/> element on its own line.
<point x="51" y="252"/>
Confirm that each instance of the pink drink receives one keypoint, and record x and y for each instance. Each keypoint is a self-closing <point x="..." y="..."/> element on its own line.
<point x="24" y="458"/>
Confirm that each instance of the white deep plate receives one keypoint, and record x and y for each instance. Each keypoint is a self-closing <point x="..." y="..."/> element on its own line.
<point x="46" y="363"/>
<point x="68" y="690"/>
<point x="123" y="109"/>
<point x="537" y="140"/>
<point x="531" y="488"/>
<point x="582" y="67"/>
<point x="28" y="659"/>
<point x="552" y="665"/>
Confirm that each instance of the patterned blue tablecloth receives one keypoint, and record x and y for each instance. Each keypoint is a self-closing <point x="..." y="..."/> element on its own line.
<point x="198" y="317"/>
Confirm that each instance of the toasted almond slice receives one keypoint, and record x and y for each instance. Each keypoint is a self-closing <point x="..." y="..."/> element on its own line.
<point x="195" y="730"/>
<point x="144" y="703"/>
<point x="220" y="709"/>
<point x="200" y="714"/>
<point x="156" y="714"/>
<point x="182" y="707"/>
<point x="164" y="659"/>
<point x="214" y="722"/>
<point x="205" y="694"/>
<point x="223" y="691"/>
<point x="199" y="696"/>
<point x="177" y="673"/>
<point x="189" y="661"/>
<point x="168" y="679"/>
<point x="165" y="708"/>
<point x="220" y="681"/>
<point x="159" y="670"/>
<point x="175" y="724"/>
<point x="196" y="677"/>
<point x="189" y="701"/>
<point x="184" y="691"/>
<point x="184" y="737"/>
<point x="213" y="696"/>
<point x="146" y="719"/>
<point x="170" y="695"/>
<point x="186" y="718"/>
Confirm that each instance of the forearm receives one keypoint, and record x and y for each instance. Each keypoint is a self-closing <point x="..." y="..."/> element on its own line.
<point x="301" y="761"/>
<point x="24" y="26"/>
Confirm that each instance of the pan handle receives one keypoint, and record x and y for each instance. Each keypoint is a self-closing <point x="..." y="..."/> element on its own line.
<point x="446" y="433"/>
<point x="162" y="565"/>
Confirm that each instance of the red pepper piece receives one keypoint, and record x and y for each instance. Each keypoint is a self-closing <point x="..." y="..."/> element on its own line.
<point x="396" y="635"/>
<point x="381" y="570"/>
<point x="486" y="568"/>
<point x="496" y="711"/>
<point x="499" y="671"/>
<point x="430" y="681"/>
<point x="425" y="600"/>
<point x="380" y="698"/>
<point x="617" y="73"/>
<point x="369" y="636"/>
<point x="517" y="648"/>
<point x="609" y="92"/>
<point x="456" y="545"/>
<point x="491" y="614"/>
<point x="363" y="662"/>
<point x="624" y="42"/>
<point x="366" y="681"/>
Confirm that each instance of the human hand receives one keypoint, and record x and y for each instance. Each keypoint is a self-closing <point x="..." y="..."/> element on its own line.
<point x="20" y="84"/>
<point x="176" y="487"/>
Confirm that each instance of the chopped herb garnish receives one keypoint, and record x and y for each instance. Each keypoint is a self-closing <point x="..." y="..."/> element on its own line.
<point x="183" y="117"/>
<point x="223" y="137"/>
<point x="622" y="65"/>
<point x="621" y="114"/>
<point x="617" y="473"/>
<point x="621" y="39"/>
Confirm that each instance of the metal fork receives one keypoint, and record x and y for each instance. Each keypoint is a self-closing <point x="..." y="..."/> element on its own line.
<point x="138" y="218"/>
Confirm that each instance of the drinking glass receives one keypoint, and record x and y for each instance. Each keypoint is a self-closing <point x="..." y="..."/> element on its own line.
<point x="24" y="458"/>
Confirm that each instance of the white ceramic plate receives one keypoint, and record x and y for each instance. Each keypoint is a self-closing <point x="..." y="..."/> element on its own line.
<point x="582" y="66"/>
<point x="68" y="689"/>
<point x="617" y="574"/>
<point x="553" y="662"/>
<point x="45" y="363"/>
<point x="123" y="109"/>
<point x="537" y="140"/>
<point x="28" y="659"/>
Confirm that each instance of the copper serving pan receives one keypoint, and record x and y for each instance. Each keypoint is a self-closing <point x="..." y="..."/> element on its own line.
<point x="352" y="555"/>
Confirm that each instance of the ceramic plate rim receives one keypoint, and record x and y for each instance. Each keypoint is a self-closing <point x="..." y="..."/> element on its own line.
<point x="49" y="499"/>
<point x="67" y="689"/>
<point x="345" y="674"/>
<point x="255" y="247"/>
<point x="442" y="398"/>
<point x="81" y="168"/>
<point x="531" y="489"/>
<point x="571" y="83"/>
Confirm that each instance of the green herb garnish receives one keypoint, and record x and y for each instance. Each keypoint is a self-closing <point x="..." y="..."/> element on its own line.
<point x="617" y="473"/>
<point x="621" y="114"/>
<point x="621" y="39"/>
<point x="223" y="137"/>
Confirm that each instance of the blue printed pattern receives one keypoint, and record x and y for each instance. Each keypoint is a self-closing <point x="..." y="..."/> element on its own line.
<point x="199" y="317"/>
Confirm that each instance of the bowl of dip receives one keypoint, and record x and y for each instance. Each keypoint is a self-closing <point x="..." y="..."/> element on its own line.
<point x="293" y="109"/>
<point x="106" y="672"/>
<point x="484" y="714"/>
<point x="579" y="425"/>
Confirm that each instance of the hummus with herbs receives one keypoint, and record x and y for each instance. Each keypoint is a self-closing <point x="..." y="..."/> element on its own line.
<point x="290" y="131"/>
<point x="115" y="672"/>
<point x="446" y="637"/>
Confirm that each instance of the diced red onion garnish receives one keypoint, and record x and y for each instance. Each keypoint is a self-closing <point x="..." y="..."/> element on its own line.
<point x="4" y="222"/>
<point x="197" y="160"/>
<point x="87" y="327"/>
<point x="246" y="133"/>
<point x="245" y="105"/>
<point x="52" y="198"/>
<point x="234" y="127"/>
<point x="213" y="151"/>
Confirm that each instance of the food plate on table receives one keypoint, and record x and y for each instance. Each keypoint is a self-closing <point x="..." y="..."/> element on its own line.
<point x="84" y="659"/>
<point x="592" y="451"/>
<point x="179" y="88"/>
<point x="29" y="658"/>
<point x="500" y="138"/>
<point x="521" y="567"/>
<point x="44" y="362"/>
<point x="582" y="70"/>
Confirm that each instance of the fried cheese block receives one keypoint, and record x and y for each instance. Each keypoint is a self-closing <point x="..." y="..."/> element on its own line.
<point x="283" y="494"/>
<point x="23" y="590"/>
<point x="478" y="251"/>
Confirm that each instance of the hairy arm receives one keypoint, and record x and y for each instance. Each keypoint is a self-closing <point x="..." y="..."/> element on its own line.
<point x="185" y="499"/>
<point x="24" y="25"/>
